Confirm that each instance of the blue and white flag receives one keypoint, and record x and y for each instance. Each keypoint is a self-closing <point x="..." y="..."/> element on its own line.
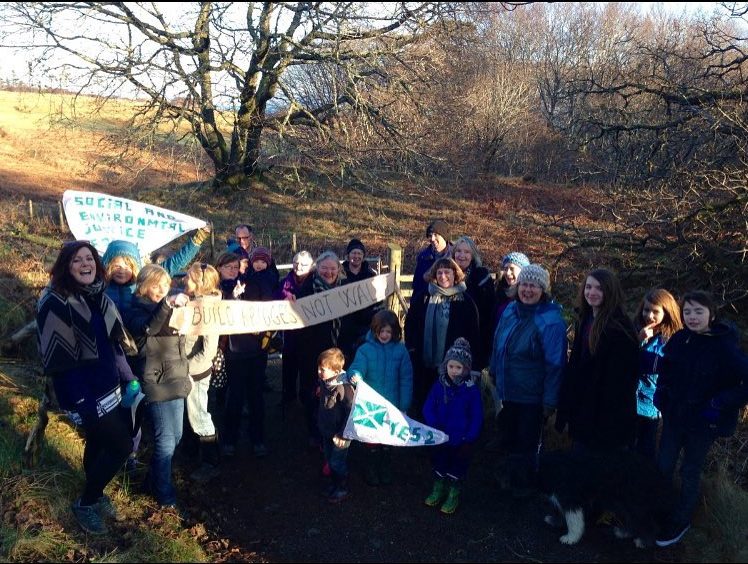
<point x="375" y="420"/>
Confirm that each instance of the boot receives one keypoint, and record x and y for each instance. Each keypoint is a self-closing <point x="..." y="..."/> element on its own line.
<point x="453" y="499"/>
<point x="340" y="490"/>
<point x="371" y="474"/>
<point x="385" y="466"/>
<point x="437" y="493"/>
<point x="210" y="456"/>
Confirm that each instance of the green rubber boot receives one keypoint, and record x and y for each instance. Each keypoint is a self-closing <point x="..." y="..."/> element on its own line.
<point x="452" y="501"/>
<point x="437" y="493"/>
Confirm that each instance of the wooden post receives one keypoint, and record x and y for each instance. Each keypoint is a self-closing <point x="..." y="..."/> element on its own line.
<point x="31" y="209"/>
<point x="212" y="244"/>
<point x="293" y="243"/>
<point x="396" y="261"/>
<point x="61" y="215"/>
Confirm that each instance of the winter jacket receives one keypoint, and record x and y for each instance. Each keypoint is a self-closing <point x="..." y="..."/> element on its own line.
<point x="703" y="370"/>
<point x="361" y="320"/>
<point x="387" y="369"/>
<point x="650" y="356"/>
<point x="598" y="394"/>
<point x="480" y="287"/>
<point x="335" y="404"/>
<point x="257" y="287"/>
<point x="290" y="286"/>
<point x="456" y="410"/>
<point x="425" y="260"/>
<point x="529" y="353"/>
<point x="162" y="360"/>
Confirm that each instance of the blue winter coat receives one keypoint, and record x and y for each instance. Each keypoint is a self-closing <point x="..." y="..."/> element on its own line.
<point x="528" y="367"/>
<point x="701" y="370"/>
<point x="455" y="410"/>
<point x="650" y="355"/>
<point x="387" y="369"/>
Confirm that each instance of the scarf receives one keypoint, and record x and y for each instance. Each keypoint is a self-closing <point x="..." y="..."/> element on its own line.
<point x="64" y="333"/>
<point x="319" y="285"/>
<point x="437" y="321"/>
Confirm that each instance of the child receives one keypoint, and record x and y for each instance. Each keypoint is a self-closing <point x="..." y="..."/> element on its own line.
<point x="656" y="320"/>
<point x="335" y="403"/>
<point x="702" y="386"/>
<point x="201" y="284"/>
<point x="453" y="406"/>
<point x="383" y="362"/>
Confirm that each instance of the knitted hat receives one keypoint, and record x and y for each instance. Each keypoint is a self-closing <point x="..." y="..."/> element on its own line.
<point x="520" y="259"/>
<point x="536" y="274"/>
<point x="460" y="351"/>
<point x="355" y="244"/>
<point x="260" y="253"/>
<point x="121" y="248"/>
<point x="440" y="227"/>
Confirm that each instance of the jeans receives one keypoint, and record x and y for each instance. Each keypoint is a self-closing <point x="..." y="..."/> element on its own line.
<point x="695" y="438"/>
<point x="336" y="457"/>
<point x="167" y="418"/>
<point x="245" y="382"/>
<point x="108" y="443"/>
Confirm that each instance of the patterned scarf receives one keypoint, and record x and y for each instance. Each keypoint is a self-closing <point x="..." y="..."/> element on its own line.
<point x="320" y="285"/>
<point x="434" y="332"/>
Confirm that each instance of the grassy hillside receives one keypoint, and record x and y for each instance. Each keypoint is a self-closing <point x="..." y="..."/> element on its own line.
<point x="44" y="151"/>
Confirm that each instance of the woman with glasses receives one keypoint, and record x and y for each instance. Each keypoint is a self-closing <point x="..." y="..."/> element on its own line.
<point x="301" y="268"/>
<point x="527" y="362"/>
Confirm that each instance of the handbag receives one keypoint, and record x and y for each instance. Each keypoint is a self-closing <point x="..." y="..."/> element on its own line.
<point x="219" y="377"/>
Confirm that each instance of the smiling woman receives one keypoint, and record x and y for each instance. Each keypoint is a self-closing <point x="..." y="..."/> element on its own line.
<point x="80" y="342"/>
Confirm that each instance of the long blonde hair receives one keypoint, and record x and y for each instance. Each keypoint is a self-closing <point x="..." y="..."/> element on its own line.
<point x="202" y="280"/>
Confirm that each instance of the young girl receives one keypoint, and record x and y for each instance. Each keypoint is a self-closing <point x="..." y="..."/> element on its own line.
<point x="383" y="362"/>
<point x="164" y="371"/>
<point x="702" y="386"/>
<point x="656" y="320"/>
<point x="598" y="394"/>
<point x="201" y="284"/>
<point x="453" y="406"/>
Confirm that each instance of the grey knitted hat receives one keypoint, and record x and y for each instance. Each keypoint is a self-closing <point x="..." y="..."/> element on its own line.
<point x="536" y="274"/>
<point x="460" y="351"/>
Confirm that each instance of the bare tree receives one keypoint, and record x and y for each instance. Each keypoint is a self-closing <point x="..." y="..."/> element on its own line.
<point x="222" y="68"/>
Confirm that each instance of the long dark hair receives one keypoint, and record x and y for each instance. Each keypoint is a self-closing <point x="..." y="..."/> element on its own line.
<point x="60" y="278"/>
<point x="611" y="310"/>
<point x="671" y="322"/>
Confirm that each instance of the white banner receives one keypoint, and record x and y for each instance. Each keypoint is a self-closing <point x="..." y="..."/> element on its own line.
<point x="100" y="219"/>
<point x="228" y="317"/>
<point x="375" y="420"/>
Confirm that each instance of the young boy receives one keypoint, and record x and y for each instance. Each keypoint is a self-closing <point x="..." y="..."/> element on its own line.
<point x="335" y="404"/>
<point x="453" y="406"/>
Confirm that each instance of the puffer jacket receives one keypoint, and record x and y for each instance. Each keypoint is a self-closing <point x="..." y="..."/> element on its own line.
<point x="527" y="367"/>
<point x="701" y="370"/>
<point x="162" y="363"/>
<point x="456" y="410"/>
<point x="387" y="369"/>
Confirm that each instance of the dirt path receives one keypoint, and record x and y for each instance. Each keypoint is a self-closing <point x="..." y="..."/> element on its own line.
<point x="272" y="509"/>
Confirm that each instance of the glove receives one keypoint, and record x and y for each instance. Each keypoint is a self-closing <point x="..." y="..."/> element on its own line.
<point x="201" y="235"/>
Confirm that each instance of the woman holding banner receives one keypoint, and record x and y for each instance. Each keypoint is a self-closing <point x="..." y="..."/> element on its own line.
<point x="435" y="319"/>
<point x="327" y="275"/>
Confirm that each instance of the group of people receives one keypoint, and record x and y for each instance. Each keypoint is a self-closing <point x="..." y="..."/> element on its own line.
<point x="105" y="321"/>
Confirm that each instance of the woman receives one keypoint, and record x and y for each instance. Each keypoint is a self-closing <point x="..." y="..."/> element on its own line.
<point x="327" y="274"/>
<point x="598" y="398"/>
<point x="301" y="268"/>
<point x="480" y="287"/>
<point x="164" y="369"/>
<point x="511" y="265"/>
<point x="435" y="320"/>
<point x="81" y="337"/>
<point x="529" y="355"/>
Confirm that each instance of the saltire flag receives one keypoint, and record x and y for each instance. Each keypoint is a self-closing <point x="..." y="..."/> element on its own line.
<point x="373" y="419"/>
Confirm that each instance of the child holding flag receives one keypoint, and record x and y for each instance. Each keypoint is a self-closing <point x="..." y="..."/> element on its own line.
<point x="335" y="403"/>
<point x="453" y="406"/>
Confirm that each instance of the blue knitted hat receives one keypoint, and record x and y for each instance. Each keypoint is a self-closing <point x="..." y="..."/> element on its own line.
<point x="520" y="259"/>
<point x="121" y="248"/>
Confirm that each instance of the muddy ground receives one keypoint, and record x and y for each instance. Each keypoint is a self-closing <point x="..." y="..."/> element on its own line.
<point x="271" y="509"/>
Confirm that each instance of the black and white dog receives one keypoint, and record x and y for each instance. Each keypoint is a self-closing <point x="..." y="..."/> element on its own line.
<point x="583" y="487"/>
